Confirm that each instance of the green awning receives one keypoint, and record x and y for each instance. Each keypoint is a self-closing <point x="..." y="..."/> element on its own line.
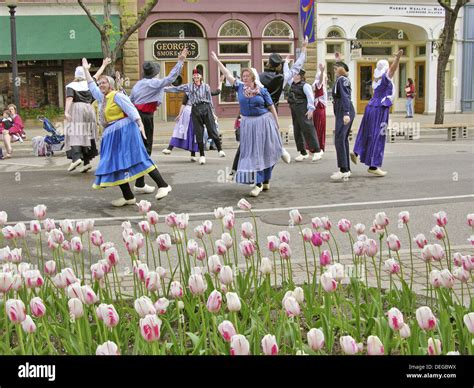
<point x="52" y="37"/>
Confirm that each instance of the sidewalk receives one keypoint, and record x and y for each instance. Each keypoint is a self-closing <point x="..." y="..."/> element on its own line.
<point x="164" y="130"/>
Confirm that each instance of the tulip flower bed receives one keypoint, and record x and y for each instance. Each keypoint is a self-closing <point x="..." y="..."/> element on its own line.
<point x="195" y="294"/>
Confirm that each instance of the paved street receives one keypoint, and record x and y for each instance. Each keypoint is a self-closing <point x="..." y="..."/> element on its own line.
<point x="425" y="176"/>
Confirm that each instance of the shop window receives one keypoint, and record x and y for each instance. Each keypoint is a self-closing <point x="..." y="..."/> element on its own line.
<point x="234" y="28"/>
<point x="228" y="93"/>
<point x="420" y="51"/>
<point x="278" y="29"/>
<point x="385" y="51"/>
<point x="402" y="80"/>
<point x="175" y="29"/>
<point x="332" y="48"/>
<point x="232" y="48"/>
<point x="278" y="47"/>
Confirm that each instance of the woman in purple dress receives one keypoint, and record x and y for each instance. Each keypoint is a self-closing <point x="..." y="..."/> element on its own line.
<point x="370" y="143"/>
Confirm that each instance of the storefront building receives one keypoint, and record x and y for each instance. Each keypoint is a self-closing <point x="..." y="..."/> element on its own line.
<point x="365" y="32"/>
<point x="242" y="33"/>
<point x="52" y="39"/>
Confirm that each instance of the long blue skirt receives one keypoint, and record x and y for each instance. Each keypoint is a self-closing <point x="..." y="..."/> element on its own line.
<point x="260" y="147"/>
<point x="123" y="157"/>
<point x="370" y="142"/>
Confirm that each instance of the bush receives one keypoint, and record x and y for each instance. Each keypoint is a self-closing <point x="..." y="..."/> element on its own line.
<point x="50" y="111"/>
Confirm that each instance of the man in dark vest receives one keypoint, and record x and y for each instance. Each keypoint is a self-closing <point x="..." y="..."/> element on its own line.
<point x="301" y="100"/>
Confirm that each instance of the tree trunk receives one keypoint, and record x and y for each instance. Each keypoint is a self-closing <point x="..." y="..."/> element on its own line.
<point x="440" y="86"/>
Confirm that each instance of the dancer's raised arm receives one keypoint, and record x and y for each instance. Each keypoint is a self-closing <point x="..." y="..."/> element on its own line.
<point x="394" y="65"/>
<point x="107" y="61"/>
<point x="227" y="74"/>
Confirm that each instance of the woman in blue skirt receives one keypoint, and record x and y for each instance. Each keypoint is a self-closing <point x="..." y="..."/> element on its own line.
<point x="260" y="141"/>
<point x="123" y="157"/>
<point x="370" y="143"/>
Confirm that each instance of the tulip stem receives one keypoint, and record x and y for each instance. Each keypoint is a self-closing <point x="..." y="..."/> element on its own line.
<point x="20" y="339"/>
<point x="305" y="255"/>
<point x="411" y="259"/>
<point x="81" y="341"/>
<point x="7" y="323"/>
<point x="448" y="257"/>
<point x="203" y="319"/>
<point x="335" y="244"/>
<point x="48" y="340"/>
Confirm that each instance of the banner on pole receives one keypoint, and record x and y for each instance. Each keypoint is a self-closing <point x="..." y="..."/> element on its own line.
<point x="307" y="19"/>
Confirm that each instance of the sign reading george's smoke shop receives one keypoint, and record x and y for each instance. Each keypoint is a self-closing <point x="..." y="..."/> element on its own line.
<point x="170" y="49"/>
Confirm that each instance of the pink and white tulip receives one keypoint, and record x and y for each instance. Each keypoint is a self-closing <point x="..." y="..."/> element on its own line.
<point x="214" y="302"/>
<point x="108" y="348"/>
<point x="348" y="345"/>
<point x="239" y="346"/>
<point x="434" y="347"/>
<point x="28" y="325"/>
<point x="226" y="330"/>
<point x="152" y="217"/>
<point x="161" y="305"/>
<point x="40" y="212"/>
<point x="243" y="204"/>
<point x="315" y="339"/>
<point x="269" y="345"/>
<point x="395" y="319"/>
<point x="150" y="328"/>
<point x="375" y="346"/>
<point x="441" y="218"/>
<point x="344" y="225"/>
<point x="76" y="309"/>
<point x="425" y="318"/>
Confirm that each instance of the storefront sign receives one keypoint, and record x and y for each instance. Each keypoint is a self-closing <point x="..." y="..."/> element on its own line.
<point x="170" y="49"/>
<point x="416" y="10"/>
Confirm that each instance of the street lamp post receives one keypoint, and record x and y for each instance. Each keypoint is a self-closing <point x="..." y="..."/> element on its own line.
<point x="16" y="81"/>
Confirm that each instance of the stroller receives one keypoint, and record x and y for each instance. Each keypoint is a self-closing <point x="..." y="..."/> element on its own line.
<point x="47" y="145"/>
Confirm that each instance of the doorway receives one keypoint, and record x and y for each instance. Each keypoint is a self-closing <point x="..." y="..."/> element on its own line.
<point x="420" y="87"/>
<point x="364" y="85"/>
<point x="174" y="100"/>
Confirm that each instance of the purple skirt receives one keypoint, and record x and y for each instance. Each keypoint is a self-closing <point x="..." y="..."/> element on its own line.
<point x="370" y="142"/>
<point x="188" y="144"/>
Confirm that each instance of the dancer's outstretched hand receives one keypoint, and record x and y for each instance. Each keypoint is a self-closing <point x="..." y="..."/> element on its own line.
<point x="107" y="61"/>
<point x="142" y="129"/>
<point x="305" y="42"/>
<point x="183" y="54"/>
<point x="322" y="67"/>
<point x="86" y="65"/>
<point x="399" y="54"/>
<point x="214" y="56"/>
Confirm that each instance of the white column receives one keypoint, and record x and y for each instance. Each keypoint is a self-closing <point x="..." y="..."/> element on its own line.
<point x="430" y="80"/>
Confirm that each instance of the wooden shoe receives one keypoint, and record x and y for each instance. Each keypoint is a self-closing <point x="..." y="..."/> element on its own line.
<point x="122" y="202"/>
<point x="354" y="158"/>
<point x="74" y="165"/>
<point x="163" y="192"/>
<point x="266" y="186"/>
<point x="256" y="191"/>
<point x="144" y="190"/>
<point x="377" y="172"/>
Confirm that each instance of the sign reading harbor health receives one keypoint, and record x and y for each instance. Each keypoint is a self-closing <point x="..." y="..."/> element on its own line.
<point x="170" y="49"/>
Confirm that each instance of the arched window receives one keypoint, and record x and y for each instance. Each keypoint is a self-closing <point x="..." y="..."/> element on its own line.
<point x="234" y="29"/>
<point x="175" y="29"/>
<point x="334" y="34"/>
<point x="381" y="33"/>
<point x="278" y="29"/>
